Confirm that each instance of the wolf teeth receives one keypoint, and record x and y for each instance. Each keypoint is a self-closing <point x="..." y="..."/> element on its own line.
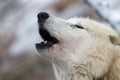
<point x="45" y="42"/>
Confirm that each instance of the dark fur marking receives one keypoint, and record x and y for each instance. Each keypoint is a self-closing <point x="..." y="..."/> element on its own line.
<point x="115" y="40"/>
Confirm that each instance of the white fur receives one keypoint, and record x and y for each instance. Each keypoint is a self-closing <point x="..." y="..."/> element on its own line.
<point x="82" y="54"/>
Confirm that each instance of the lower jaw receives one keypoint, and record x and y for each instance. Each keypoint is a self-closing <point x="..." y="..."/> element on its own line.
<point x="49" y="46"/>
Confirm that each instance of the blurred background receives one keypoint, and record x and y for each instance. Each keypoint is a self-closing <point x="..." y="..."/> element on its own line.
<point x="18" y="32"/>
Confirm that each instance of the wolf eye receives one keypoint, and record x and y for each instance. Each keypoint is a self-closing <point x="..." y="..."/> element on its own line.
<point x="78" y="26"/>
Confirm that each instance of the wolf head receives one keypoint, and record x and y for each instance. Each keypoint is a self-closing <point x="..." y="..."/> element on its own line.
<point x="71" y="41"/>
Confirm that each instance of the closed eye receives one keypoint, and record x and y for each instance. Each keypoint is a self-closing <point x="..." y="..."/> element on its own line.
<point x="78" y="26"/>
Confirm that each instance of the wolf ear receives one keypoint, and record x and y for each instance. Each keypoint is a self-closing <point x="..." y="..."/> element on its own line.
<point x="115" y="40"/>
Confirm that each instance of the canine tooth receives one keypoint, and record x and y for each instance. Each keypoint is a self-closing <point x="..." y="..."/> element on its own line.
<point x="45" y="42"/>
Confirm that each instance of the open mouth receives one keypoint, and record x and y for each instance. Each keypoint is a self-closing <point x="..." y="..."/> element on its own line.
<point x="48" y="39"/>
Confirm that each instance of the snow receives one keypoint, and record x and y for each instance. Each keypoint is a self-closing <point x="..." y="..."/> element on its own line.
<point x="109" y="9"/>
<point x="74" y="10"/>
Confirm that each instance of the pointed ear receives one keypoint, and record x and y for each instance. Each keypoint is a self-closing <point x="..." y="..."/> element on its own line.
<point x="115" y="40"/>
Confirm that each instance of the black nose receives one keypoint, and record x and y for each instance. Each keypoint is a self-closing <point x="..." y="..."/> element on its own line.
<point x="42" y="16"/>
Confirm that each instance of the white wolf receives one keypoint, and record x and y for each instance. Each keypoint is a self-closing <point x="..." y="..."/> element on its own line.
<point x="79" y="48"/>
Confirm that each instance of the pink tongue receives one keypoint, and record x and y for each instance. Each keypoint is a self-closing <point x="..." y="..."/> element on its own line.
<point x="55" y="47"/>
